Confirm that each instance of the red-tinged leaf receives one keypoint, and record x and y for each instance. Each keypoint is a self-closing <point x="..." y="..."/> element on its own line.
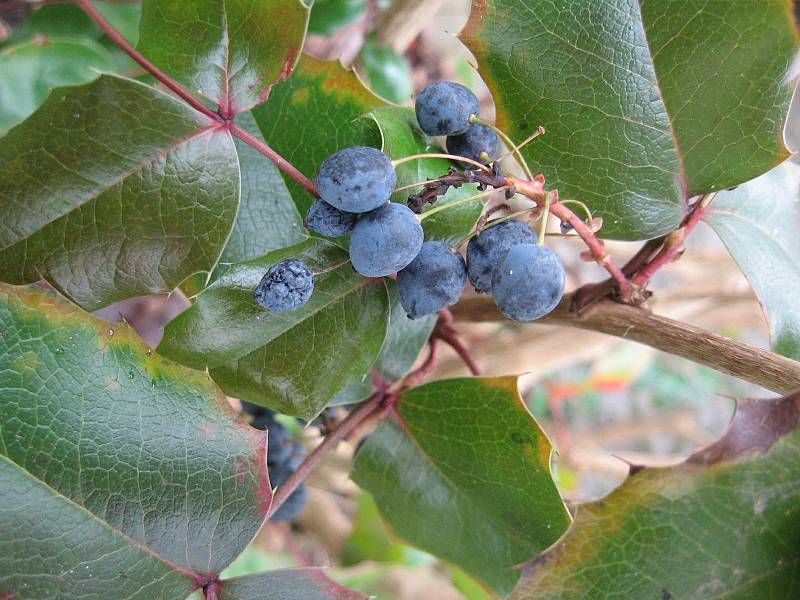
<point x="286" y="584"/>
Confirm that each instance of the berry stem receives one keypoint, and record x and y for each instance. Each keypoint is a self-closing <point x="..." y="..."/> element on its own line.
<point x="539" y="131"/>
<point x="447" y="334"/>
<point x="406" y="159"/>
<point x="543" y="221"/>
<point x="455" y="203"/>
<point x="514" y="148"/>
<point x="583" y="206"/>
<point x="366" y="409"/>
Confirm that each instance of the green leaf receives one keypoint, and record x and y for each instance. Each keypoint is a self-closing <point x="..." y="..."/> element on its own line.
<point x="467" y="456"/>
<point x="268" y="219"/>
<point x="723" y="524"/>
<point x="295" y="361"/>
<point x="646" y="102"/>
<point x="314" y="114"/>
<point x="231" y="52"/>
<point x="31" y="69"/>
<point x="388" y="72"/>
<point x="118" y="470"/>
<point x="328" y="16"/>
<point x="287" y="584"/>
<point x="55" y="20"/>
<point x="370" y="539"/>
<point x="113" y="190"/>
<point x="402" y="137"/>
<point x="757" y="222"/>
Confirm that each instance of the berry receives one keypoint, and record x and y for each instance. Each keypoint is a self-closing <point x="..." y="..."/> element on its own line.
<point x="566" y="227"/>
<point x="444" y="108"/>
<point x="473" y="142"/>
<point x="261" y="416"/>
<point x="286" y="285"/>
<point x="432" y="281"/>
<point x="356" y="179"/>
<point x="279" y="472"/>
<point x="385" y="240"/>
<point x="328" y="220"/>
<point x="485" y="250"/>
<point x="528" y="283"/>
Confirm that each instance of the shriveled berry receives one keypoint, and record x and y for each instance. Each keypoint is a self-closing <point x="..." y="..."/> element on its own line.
<point x="485" y="250"/>
<point x="473" y="143"/>
<point x="328" y="220"/>
<point x="356" y="179"/>
<point x="432" y="281"/>
<point x="286" y="285"/>
<point x="385" y="240"/>
<point x="444" y="108"/>
<point x="528" y="283"/>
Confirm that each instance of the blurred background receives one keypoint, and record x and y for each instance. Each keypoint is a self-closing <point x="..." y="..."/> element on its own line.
<point x="603" y="401"/>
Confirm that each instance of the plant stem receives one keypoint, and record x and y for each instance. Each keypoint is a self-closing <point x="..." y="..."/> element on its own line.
<point x="514" y="148"/>
<point x="406" y="159"/>
<point x="543" y="223"/>
<point x="448" y="335"/>
<point x="283" y="164"/>
<point x="365" y="410"/>
<point x="539" y="131"/>
<point x="454" y="203"/>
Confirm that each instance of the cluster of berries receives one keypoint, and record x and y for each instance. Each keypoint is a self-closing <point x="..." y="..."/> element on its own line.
<point x="284" y="456"/>
<point x="355" y="184"/>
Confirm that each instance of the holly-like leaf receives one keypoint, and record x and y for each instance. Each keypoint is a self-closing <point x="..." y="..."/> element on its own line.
<point x="231" y="52"/>
<point x="645" y="102"/>
<point x="113" y="190"/>
<point x="295" y="361"/>
<point x="758" y="223"/>
<point x="31" y="69"/>
<point x="314" y="114"/>
<point x="328" y="16"/>
<point x="268" y="219"/>
<point x="286" y="584"/>
<point x="723" y="524"/>
<point x="403" y="137"/>
<point x="466" y="455"/>
<point x="118" y="470"/>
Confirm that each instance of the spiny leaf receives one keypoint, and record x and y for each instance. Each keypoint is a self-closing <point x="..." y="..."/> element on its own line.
<point x="466" y="455"/>
<point x="758" y="223"/>
<point x="646" y="102"/>
<point x="112" y="190"/>
<point x="723" y="524"/>
<point x="231" y="52"/>
<point x="295" y="361"/>
<point x="118" y="470"/>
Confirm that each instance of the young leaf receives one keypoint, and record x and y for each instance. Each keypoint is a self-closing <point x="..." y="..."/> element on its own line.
<point x="112" y="190"/>
<point x="723" y="524"/>
<point x="466" y="455"/>
<point x="757" y="222"/>
<point x="646" y="102"/>
<point x="402" y="137"/>
<point x="295" y="361"/>
<point x="118" y="470"/>
<point x="231" y="52"/>
<point x="31" y="69"/>
<point x="388" y="72"/>
<point x="328" y="16"/>
<point x="286" y="584"/>
<point x="314" y="114"/>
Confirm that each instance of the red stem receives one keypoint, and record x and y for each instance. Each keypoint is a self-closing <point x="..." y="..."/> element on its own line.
<point x="283" y="164"/>
<point x="450" y="337"/>
<point x="211" y="590"/>
<point x="120" y="41"/>
<point x="530" y="190"/>
<point x="370" y="406"/>
<point x="419" y="375"/>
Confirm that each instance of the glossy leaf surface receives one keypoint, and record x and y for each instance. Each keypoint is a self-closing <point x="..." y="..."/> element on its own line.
<point x="723" y="524"/>
<point x="758" y="222"/>
<point x="231" y="52"/>
<point x="118" y="469"/>
<point x="113" y="190"/>
<point x="314" y="114"/>
<point x="466" y="455"/>
<point x="294" y="361"/>
<point x="645" y="102"/>
<point x="287" y="584"/>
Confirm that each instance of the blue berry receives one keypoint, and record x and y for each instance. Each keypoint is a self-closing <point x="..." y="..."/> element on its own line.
<point x="473" y="142"/>
<point x="485" y="250"/>
<point x="328" y="220"/>
<point x="432" y="281"/>
<point x="261" y="416"/>
<point x="528" y="283"/>
<point x="566" y="227"/>
<point x="385" y="240"/>
<point x="444" y="108"/>
<point x="286" y="285"/>
<point x="356" y="179"/>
